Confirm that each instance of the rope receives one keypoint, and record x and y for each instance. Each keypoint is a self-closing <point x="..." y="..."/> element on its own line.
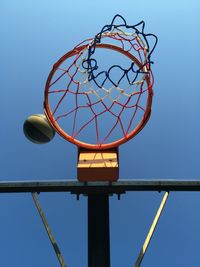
<point x="91" y="64"/>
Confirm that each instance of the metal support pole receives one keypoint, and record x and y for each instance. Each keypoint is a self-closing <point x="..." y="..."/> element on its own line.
<point x="151" y="230"/>
<point x="98" y="231"/>
<point x="48" y="230"/>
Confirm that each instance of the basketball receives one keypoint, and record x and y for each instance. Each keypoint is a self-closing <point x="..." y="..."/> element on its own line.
<point x="38" y="130"/>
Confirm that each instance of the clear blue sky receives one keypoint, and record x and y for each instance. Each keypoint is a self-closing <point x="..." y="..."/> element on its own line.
<point x="34" y="34"/>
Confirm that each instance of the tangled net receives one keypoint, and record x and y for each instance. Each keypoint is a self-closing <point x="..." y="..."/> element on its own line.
<point x="91" y="99"/>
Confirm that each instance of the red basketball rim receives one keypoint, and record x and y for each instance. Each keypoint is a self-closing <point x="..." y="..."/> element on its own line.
<point x="101" y="146"/>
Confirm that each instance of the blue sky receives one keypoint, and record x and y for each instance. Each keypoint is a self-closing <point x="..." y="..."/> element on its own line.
<point x="34" y="35"/>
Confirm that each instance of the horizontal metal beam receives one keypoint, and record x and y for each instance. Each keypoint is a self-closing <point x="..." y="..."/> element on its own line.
<point x="118" y="187"/>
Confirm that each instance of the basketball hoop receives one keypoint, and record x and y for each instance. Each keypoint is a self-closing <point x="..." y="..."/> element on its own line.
<point x="92" y="100"/>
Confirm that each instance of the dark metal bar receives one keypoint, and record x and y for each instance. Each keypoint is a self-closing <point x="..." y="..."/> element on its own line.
<point x="98" y="231"/>
<point x="118" y="187"/>
<point x="49" y="232"/>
